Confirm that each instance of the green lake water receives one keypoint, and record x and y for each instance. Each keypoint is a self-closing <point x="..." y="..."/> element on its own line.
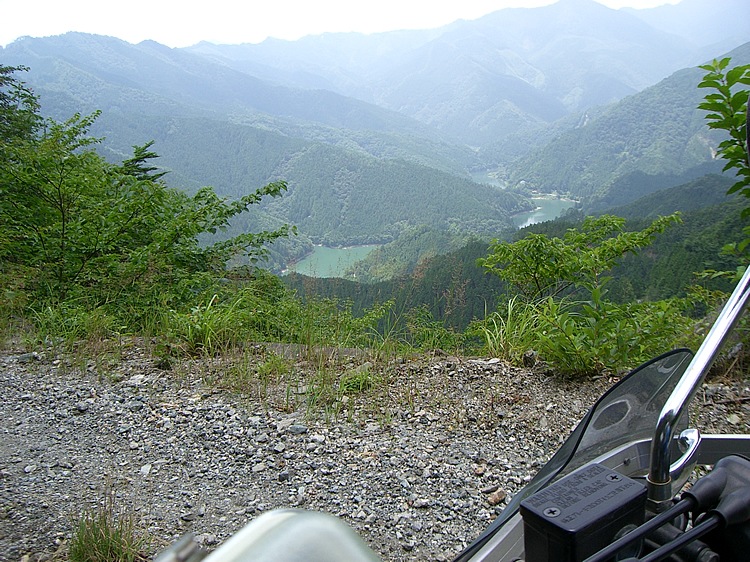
<point x="546" y="210"/>
<point x="330" y="262"/>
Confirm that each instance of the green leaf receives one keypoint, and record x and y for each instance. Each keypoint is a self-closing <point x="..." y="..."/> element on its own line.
<point x="709" y="83"/>
<point x="718" y="106"/>
<point x="735" y="74"/>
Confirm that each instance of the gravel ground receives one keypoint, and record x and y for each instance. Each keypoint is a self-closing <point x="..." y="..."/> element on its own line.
<point x="418" y="463"/>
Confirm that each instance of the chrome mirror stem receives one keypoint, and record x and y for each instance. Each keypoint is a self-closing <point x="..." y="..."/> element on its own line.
<point x="659" y="479"/>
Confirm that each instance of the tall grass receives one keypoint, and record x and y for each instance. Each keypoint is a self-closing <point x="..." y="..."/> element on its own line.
<point x="69" y="323"/>
<point x="254" y="372"/>
<point x="103" y="535"/>
<point x="509" y="333"/>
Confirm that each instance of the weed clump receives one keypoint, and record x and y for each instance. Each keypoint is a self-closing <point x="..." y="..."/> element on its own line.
<point x="103" y="535"/>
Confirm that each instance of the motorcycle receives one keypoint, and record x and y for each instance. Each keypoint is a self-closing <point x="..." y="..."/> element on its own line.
<point x="612" y="492"/>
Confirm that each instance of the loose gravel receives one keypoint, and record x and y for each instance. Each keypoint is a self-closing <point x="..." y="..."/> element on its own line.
<point x="418" y="456"/>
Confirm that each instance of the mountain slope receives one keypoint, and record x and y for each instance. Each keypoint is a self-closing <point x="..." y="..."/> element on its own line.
<point x="657" y="131"/>
<point x="336" y="196"/>
<point x="339" y="198"/>
<point x="194" y="81"/>
<point x="707" y="191"/>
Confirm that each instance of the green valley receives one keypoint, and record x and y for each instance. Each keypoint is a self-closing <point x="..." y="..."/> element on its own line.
<point x="432" y="147"/>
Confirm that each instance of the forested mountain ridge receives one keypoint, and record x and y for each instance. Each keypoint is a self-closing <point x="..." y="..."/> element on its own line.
<point x="659" y="131"/>
<point x="345" y="185"/>
<point x="191" y="83"/>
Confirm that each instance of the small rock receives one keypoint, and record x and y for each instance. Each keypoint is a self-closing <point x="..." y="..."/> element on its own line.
<point x="29" y="357"/>
<point x="260" y="467"/>
<point x="283" y="425"/>
<point x="496" y="497"/>
<point x="136" y="380"/>
<point x="145" y="470"/>
<point x="529" y="358"/>
<point x="206" y="539"/>
<point x="135" y="406"/>
<point x="297" y="429"/>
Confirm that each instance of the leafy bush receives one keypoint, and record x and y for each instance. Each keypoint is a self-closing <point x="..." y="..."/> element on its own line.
<point x="586" y="338"/>
<point x="560" y="309"/>
<point x="538" y="266"/>
<point x="79" y="228"/>
<point x="727" y="108"/>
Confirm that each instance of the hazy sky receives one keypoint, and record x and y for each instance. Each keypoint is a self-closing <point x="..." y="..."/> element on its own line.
<point x="179" y="23"/>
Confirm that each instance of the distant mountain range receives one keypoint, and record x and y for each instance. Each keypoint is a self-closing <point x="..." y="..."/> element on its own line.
<point x="512" y="69"/>
<point x="384" y="132"/>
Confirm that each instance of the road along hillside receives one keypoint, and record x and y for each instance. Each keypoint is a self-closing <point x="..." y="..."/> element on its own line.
<point x="418" y="456"/>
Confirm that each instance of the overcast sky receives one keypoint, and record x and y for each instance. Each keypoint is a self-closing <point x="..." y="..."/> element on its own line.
<point x="179" y="23"/>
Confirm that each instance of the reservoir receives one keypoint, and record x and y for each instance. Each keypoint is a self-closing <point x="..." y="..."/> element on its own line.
<point x="331" y="262"/>
<point x="546" y="210"/>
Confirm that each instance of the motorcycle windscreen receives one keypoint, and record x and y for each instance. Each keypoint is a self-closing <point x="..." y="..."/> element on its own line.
<point x="626" y="413"/>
